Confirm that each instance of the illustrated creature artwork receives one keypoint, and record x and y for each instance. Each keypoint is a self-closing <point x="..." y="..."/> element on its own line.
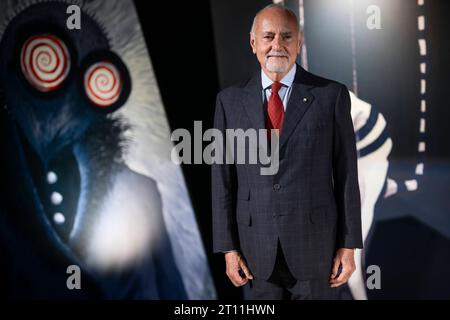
<point x="70" y="196"/>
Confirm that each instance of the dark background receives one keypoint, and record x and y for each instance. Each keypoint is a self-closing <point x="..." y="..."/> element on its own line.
<point x="181" y="45"/>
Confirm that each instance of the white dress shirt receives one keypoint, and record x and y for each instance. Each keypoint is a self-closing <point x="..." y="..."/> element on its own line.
<point x="285" y="90"/>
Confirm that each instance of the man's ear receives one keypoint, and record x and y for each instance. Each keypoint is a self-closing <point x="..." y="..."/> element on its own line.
<point x="252" y="42"/>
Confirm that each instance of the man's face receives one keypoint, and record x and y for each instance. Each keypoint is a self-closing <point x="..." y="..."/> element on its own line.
<point x="276" y="41"/>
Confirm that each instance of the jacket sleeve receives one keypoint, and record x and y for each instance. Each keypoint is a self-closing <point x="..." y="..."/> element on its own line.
<point x="345" y="175"/>
<point x="223" y="187"/>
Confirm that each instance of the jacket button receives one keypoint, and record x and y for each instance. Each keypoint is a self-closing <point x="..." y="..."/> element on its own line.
<point x="276" y="186"/>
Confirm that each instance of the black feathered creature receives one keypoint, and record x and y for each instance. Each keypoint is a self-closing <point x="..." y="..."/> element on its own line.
<point x="67" y="189"/>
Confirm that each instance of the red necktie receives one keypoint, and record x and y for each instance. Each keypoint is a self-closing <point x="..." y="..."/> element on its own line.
<point x="275" y="110"/>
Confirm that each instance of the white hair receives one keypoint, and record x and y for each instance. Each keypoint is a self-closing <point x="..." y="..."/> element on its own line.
<point x="279" y="6"/>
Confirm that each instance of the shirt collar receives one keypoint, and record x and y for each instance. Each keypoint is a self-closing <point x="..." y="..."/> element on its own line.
<point x="287" y="79"/>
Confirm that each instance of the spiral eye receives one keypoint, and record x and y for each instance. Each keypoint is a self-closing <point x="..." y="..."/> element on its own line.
<point x="45" y="62"/>
<point x="105" y="80"/>
<point x="103" y="83"/>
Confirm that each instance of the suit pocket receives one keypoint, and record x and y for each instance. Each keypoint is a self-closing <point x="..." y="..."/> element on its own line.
<point x="311" y="134"/>
<point x="243" y="194"/>
<point x="305" y="141"/>
<point x="324" y="214"/>
<point x="243" y="216"/>
<point x="318" y="214"/>
<point x="315" y="127"/>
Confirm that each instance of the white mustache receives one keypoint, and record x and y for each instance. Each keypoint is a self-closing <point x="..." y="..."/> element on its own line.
<point x="276" y="55"/>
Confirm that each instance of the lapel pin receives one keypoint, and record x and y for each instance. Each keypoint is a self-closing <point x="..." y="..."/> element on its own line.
<point x="305" y="100"/>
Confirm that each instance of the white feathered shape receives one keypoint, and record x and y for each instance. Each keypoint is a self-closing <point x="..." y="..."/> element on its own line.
<point x="149" y="154"/>
<point x="372" y="171"/>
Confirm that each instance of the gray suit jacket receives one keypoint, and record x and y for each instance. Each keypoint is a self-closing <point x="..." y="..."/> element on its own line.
<point x="312" y="205"/>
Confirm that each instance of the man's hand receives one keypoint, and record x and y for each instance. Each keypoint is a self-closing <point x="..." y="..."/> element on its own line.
<point x="235" y="262"/>
<point x="345" y="259"/>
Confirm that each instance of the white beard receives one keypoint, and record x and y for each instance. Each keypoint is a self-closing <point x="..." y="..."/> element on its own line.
<point x="277" y="65"/>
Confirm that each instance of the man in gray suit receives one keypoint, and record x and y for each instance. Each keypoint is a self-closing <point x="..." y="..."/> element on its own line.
<point x="291" y="234"/>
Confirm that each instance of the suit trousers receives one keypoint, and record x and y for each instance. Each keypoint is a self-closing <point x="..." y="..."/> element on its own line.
<point x="282" y="285"/>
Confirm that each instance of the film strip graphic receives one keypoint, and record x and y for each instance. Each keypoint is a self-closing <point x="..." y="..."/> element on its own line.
<point x="413" y="183"/>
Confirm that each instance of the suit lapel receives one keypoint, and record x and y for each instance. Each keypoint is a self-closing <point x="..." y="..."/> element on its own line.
<point x="299" y="101"/>
<point x="253" y="102"/>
